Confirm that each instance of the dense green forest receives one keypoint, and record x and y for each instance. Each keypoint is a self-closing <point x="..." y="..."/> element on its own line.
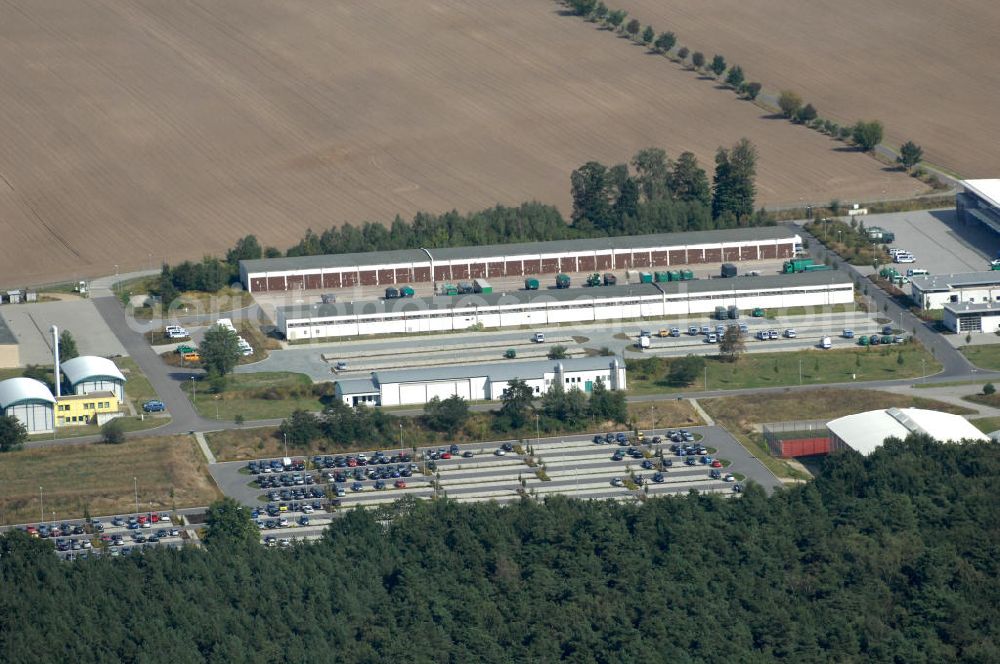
<point x="651" y="194"/>
<point x="890" y="558"/>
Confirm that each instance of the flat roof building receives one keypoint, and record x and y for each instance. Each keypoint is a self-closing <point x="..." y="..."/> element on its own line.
<point x="866" y="432"/>
<point x="549" y="307"/>
<point x="933" y="291"/>
<point x="404" y="266"/>
<point x="483" y="382"/>
<point x="968" y="317"/>
<point x="83" y="409"/>
<point x="979" y="203"/>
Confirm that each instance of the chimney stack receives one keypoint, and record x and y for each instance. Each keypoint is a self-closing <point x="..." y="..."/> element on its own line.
<point x="55" y="352"/>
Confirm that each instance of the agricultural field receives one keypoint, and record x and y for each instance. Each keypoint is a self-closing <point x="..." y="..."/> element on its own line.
<point x="136" y="132"/>
<point x="864" y="59"/>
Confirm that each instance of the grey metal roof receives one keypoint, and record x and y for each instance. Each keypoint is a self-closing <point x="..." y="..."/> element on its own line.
<point x="500" y="371"/>
<point x="443" y="302"/>
<point x="946" y="282"/>
<point x="973" y="307"/>
<point x="21" y="389"/>
<point x="375" y="258"/>
<point x="86" y="367"/>
<point x="6" y="336"/>
<point x="357" y="386"/>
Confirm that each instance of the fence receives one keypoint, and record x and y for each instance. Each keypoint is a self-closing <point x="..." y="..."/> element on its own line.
<point x="798" y="438"/>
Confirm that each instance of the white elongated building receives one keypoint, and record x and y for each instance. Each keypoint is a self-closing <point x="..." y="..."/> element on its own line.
<point x="484" y="382"/>
<point x="540" y="308"/>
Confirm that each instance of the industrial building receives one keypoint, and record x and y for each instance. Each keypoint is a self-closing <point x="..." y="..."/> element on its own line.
<point x="405" y="266"/>
<point x="968" y="317"/>
<point x="88" y="373"/>
<point x="936" y="290"/>
<point x="979" y="203"/>
<point x="82" y="409"/>
<point x="483" y="382"/>
<point x="540" y="308"/>
<point x="30" y="402"/>
<point x="865" y="432"/>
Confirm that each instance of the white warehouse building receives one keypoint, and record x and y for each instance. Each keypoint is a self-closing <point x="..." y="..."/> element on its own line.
<point x="539" y="308"/>
<point x="483" y="382"/>
<point x="866" y="432"/>
<point x="30" y="402"/>
<point x="933" y="291"/>
<point x="89" y="373"/>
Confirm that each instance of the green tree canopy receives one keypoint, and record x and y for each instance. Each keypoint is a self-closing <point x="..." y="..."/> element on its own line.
<point x="732" y="345"/>
<point x="867" y="135"/>
<point x="113" y="432"/>
<point x="718" y="65"/>
<point x="688" y="181"/>
<point x="516" y="408"/>
<point x="789" y="102"/>
<point x="228" y="524"/>
<point x="13" y="433"/>
<point x="665" y="42"/>
<point x="735" y="77"/>
<point x="633" y="28"/>
<point x="300" y="428"/>
<point x="806" y="114"/>
<point x="652" y="171"/>
<point x="219" y="350"/>
<point x="683" y="53"/>
<point x="752" y="89"/>
<point x="648" y="34"/>
<point x="448" y="414"/>
<point x="734" y="184"/>
<point x="67" y="346"/>
<point x="910" y="155"/>
<point x="698" y="59"/>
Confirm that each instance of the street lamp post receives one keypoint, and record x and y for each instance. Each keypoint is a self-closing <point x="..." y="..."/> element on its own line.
<point x="135" y="484"/>
<point x="400" y="439"/>
<point x="537" y="435"/>
<point x="41" y="505"/>
<point x="192" y="391"/>
<point x="284" y="437"/>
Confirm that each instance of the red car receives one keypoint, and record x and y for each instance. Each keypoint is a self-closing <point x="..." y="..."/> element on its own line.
<point x="154" y="517"/>
<point x="716" y="464"/>
<point x="400" y="484"/>
<point x="446" y="455"/>
<point x="352" y="463"/>
<point x="141" y="519"/>
<point x="33" y="531"/>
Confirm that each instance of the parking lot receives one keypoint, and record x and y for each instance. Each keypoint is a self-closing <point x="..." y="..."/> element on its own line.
<point x="113" y="536"/>
<point x="577" y="466"/>
<point x="938" y="241"/>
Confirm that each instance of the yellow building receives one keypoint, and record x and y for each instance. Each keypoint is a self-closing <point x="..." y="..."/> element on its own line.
<point x="83" y="409"/>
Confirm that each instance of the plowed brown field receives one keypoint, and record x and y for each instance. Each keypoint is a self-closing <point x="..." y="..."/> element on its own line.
<point x="926" y="68"/>
<point x="138" y="130"/>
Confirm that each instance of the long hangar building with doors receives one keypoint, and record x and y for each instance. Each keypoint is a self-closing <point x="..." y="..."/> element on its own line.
<point x="405" y="266"/>
<point x="540" y="308"/>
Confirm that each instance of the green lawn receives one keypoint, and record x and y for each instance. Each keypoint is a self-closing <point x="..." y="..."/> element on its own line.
<point x="984" y="357"/>
<point x="257" y="396"/>
<point x="128" y="422"/>
<point x="987" y="424"/>
<point x="782" y="369"/>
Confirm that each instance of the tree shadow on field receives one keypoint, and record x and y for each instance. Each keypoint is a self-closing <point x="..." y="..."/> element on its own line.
<point x="847" y="148"/>
<point x="773" y="116"/>
<point x="564" y="12"/>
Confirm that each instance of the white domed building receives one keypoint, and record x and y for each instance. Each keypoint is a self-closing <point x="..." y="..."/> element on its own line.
<point x="30" y="401"/>
<point x="88" y="374"/>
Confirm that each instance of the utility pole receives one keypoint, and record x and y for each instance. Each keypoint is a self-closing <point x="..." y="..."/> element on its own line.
<point x="41" y="505"/>
<point x="135" y="484"/>
<point x="400" y="439"/>
<point x="284" y="437"/>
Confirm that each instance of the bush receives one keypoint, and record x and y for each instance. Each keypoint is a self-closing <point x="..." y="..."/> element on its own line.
<point x="113" y="432"/>
<point x="989" y="389"/>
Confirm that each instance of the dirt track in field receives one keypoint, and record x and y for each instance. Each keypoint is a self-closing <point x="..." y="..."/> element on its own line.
<point x="141" y="130"/>
<point x="926" y="68"/>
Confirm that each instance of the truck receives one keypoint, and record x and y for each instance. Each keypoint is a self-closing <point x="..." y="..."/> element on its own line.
<point x="686" y="275"/>
<point x="562" y="280"/>
<point x="645" y="277"/>
<point x="391" y="293"/>
<point x="720" y="313"/>
<point x="643" y="342"/>
<point x="594" y="279"/>
<point x="817" y="267"/>
<point x="449" y="289"/>
<point x="531" y="284"/>
<point x="481" y="286"/>
<point x="796" y="265"/>
<point x="757" y="312"/>
<point x="610" y="279"/>
<point x="734" y="312"/>
<point x="661" y="277"/>
<point x="728" y="270"/>
<point x="877" y="234"/>
<point x="406" y="291"/>
<point x="465" y="287"/>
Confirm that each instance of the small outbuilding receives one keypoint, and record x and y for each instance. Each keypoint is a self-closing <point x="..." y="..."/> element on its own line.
<point x="30" y="401"/>
<point x="89" y="373"/>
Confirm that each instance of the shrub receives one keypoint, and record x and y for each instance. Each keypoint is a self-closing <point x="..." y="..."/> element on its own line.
<point x="113" y="432"/>
<point x="989" y="389"/>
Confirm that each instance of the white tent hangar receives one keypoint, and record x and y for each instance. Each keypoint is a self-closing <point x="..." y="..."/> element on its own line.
<point x="29" y="401"/>
<point x="89" y="373"/>
<point x="865" y="432"/>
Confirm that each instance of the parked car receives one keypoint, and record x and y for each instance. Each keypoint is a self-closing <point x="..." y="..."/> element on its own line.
<point x="790" y="333"/>
<point x="154" y="406"/>
<point x="848" y="333"/>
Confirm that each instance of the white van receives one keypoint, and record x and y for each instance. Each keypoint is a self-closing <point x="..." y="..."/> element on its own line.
<point x="826" y="343"/>
<point x="916" y="272"/>
<point x="539" y="338"/>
